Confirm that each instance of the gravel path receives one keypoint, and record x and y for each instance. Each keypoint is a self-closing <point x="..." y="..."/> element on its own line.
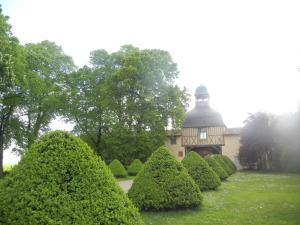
<point x="125" y="185"/>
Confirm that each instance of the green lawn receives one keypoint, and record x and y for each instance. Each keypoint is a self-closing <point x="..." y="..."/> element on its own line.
<point x="247" y="198"/>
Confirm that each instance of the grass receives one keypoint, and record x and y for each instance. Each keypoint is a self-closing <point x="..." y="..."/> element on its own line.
<point x="247" y="198"/>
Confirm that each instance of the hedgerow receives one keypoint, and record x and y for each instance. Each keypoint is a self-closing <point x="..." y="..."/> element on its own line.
<point x="224" y="165"/>
<point x="135" y="167"/>
<point x="117" y="168"/>
<point x="201" y="172"/>
<point x="163" y="184"/>
<point x="60" y="181"/>
<point x="216" y="167"/>
<point x="229" y="162"/>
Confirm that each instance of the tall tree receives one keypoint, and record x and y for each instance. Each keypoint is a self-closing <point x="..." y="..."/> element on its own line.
<point x="287" y="133"/>
<point x="12" y="64"/>
<point x="257" y="142"/>
<point x="125" y="101"/>
<point x="47" y="67"/>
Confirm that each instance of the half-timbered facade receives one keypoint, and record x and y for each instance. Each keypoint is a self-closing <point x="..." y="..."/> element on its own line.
<point x="203" y="131"/>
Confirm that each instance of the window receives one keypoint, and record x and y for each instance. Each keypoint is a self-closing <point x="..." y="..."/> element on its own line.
<point x="180" y="154"/>
<point x="173" y="140"/>
<point x="201" y="133"/>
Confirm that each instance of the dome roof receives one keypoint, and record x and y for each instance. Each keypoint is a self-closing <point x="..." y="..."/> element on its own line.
<point x="203" y="116"/>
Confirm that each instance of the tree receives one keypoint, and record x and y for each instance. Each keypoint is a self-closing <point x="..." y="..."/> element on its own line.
<point x="47" y="67"/>
<point x="257" y="142"/>
<point x="122" y="105"/>
<point x="287" y="142"/>
<point x="12" y="67"/>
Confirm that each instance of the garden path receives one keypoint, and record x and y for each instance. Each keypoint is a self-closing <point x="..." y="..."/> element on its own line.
<point x="125" y="185"/>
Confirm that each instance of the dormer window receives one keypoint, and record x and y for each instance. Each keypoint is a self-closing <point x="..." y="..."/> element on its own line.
<point x="202" y="133"/>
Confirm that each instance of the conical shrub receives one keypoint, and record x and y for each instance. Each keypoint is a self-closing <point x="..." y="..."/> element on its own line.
<point x="117" y="168"/>
<point x="135" y="167"/>
<point x="201" y="172"/>
<point x="163" y="184"/>
<point x="216" y="167"/>
<point x="229" y="162"/>
<point x="59" y="180"/>
<point x="224" y="165"/>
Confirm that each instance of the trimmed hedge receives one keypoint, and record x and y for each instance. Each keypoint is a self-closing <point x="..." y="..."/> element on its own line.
<point x="229" y="162"/>
<point x="60" y="180"/>
<point x="201" y="172"/>
<point x="135" y="167"/>
<point x="117" y="168"/>
<point x="163" y="184"/>
<point x="224" y="165"/>
<point x="216" y="167"/>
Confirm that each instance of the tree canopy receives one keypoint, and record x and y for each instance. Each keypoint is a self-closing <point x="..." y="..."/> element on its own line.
<point x="122" y="104"/>
<point x="270" y="142"/>
<point x="12" y="78"/>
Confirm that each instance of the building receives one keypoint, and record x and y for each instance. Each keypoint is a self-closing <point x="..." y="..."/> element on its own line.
<point x="204" y="132"/>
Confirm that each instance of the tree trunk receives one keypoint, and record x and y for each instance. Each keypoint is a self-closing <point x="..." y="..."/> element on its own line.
<point x="1" y="152"/>
<point x="34" y="134"/>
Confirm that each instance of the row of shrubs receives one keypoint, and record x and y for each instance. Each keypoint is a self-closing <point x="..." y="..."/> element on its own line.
<point x="119" y="170"/>
<point x="164" y="183"/>
<point x="60" y="180"/>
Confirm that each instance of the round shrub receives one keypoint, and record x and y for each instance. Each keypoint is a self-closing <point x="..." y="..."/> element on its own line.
<point x="216" y="167"/>
<point x="60" y="180"/>
<point x="163" y="184"/>
<point x="201" y="172"/>
<point x="135" y="167"/>
<point x="117" y="168"/>
<point x="224" y="165"/>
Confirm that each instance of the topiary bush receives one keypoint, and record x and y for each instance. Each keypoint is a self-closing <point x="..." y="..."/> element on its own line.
<point x="60" y="180"/>
<point x="201" y="172"/>
<point x="224" y="165"/>
<point x="134" y="167"/>
<point x="117" y="168"/>
<point x="229" y="163"/>
<point x="163" y="184"/>
<point x="216" y="167"/>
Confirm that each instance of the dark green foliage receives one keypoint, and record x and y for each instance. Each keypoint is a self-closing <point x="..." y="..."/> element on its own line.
<point x="224" y="165"/>
<point x="216" y="167"/>
<point x="164" y="184"/>
<point x="229" y="162"/>
<point x="12" y="74"/>
<point x="131" y="96"/>
<point x="201" y="172"/>
<point x="59" y="180"/>
<point x="135" y="167"/>
<point x="117" y="168"/>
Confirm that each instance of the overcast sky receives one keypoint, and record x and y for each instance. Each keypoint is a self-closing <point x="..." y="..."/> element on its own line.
<point x="247" y="53"/>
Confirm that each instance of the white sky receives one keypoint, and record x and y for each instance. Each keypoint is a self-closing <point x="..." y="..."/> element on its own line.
<point x="247" y="53"/>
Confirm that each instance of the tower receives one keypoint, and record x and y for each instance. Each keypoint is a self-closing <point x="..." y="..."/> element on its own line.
<point x="203" y="129"/>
